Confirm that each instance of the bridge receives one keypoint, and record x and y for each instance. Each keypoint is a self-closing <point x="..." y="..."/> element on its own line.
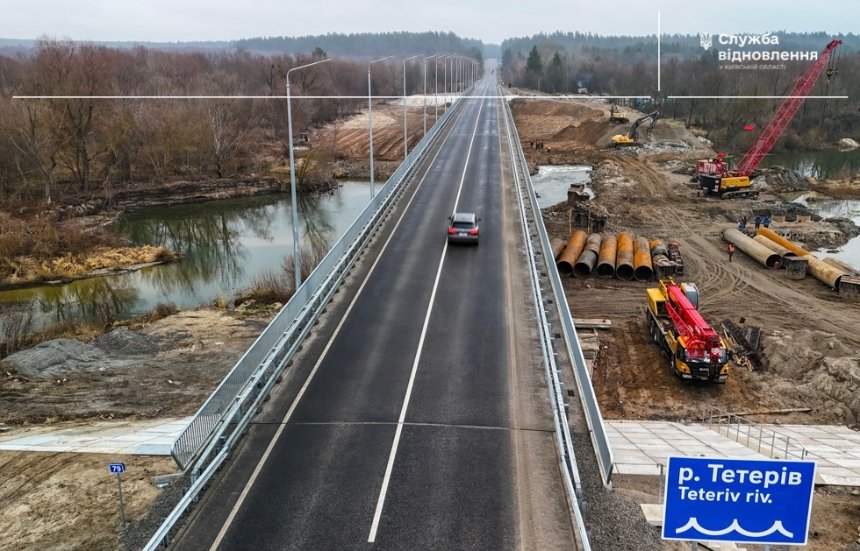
<point x="420" y="402"/>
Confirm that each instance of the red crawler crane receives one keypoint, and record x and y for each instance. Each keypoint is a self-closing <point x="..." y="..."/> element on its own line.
<point x="714" y="176"/>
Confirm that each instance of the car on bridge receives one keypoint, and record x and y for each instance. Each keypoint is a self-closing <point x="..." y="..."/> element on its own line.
<point x="463" y="228"/>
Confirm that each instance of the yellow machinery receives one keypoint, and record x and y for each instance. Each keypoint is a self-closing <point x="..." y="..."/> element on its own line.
<point x="631" y="138"/>
<point x="694" y="349"/>
<point x="617" y="116"/>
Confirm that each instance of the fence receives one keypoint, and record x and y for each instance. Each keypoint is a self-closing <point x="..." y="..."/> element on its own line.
<point x="755" y="436"/>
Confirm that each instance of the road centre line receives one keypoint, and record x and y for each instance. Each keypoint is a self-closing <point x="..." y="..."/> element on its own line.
<point x="238" y="505"/>
<point x="394" y="445"/>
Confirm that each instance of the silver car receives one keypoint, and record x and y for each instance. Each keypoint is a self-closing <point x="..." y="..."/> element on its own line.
<point x="463" y="228"/>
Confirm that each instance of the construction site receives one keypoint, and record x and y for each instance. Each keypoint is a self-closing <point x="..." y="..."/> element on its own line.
<point x="692" y="283"/>
<point x="674" y="326"/>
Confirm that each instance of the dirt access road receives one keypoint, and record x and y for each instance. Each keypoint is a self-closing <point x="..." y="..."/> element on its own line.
<point x="811" y="343"/>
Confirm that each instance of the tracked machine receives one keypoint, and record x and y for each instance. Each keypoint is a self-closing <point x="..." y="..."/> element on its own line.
<point x="632" y="137"/>
<point x="714" y="176"/>
<point x="694" y="349"/>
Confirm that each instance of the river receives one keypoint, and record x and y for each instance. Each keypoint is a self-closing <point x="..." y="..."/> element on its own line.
<point x="226" y="245"/>
<point x="828" y="164"/>
<point x="552" y="182"/>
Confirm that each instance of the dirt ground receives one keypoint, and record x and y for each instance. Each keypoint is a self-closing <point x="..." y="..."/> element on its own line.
<point x="162" y="369"/>
<point x="71" y="501"/>
<point x="168" y="367"/>
<point x="811" y="344"/>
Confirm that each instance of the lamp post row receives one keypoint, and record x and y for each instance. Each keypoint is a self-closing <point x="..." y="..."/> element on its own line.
<point x="435" y="57"/>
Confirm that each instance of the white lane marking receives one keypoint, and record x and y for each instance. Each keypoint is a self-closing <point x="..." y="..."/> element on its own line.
<point x="377" y="515"/>
<point x="276" y="437"/>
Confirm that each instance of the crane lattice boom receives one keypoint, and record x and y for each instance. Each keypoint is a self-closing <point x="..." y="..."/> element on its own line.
<point x="785" y="113"/>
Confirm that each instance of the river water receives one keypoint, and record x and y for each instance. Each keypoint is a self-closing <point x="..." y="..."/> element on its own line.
<point x="226" y="244"/>
<point x="831" y="164"/>
<point x="552" y="182"/>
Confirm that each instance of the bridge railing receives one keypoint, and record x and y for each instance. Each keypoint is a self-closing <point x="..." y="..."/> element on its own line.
<point x="275" y="345"/>
<point x="763" y="439"/>
<point x="564" y="443"/>
<point x="593" y="417"/>
<point x="222" y="419"/>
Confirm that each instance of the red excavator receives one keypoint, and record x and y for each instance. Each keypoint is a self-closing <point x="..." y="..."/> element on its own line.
<point x="714" y="175"/>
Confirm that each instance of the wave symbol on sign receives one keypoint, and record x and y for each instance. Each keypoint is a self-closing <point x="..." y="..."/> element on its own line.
<point x="693" y="523"/>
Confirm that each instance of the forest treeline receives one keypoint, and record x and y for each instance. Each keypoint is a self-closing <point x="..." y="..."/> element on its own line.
<point x="85" y="145"/>
<point x="627" y="65"/>
<point x="368" y="44"/>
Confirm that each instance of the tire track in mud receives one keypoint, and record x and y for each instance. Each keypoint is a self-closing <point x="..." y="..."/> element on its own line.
<point x="29" y="473"/>
<point x="725" y="287"/>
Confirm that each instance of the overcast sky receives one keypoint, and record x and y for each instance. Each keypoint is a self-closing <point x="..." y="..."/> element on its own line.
<point x="487" y="20"/>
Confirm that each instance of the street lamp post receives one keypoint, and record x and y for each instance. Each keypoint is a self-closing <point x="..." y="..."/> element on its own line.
<point x="370" y="119"/>
<point x="297" y="262"/>
<point x="405" y="137"/>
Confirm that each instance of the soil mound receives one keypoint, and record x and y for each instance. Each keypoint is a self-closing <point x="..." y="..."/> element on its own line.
<point x="126" y="342"/>
<point x="817" y="361"/>
<point x="55" y="358"/>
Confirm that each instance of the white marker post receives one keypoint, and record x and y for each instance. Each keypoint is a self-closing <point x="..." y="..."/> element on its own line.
<point x="118" y="469"/>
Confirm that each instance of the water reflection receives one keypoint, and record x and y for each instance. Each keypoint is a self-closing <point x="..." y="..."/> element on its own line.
<point x="829" y="164"/>
<point x="225" y="245"/>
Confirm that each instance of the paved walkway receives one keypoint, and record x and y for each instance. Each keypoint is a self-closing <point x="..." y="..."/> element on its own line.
<point x="639" y="447"/>
<point x="153" y="437"/>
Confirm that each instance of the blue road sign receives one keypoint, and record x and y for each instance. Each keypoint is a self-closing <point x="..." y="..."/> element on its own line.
<point x="117" y="468"/>
<point x="738" y="500"/>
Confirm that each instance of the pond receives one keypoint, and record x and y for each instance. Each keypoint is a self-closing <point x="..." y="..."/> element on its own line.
<point x="226" y="245"/>
<point x="552" y="182"/>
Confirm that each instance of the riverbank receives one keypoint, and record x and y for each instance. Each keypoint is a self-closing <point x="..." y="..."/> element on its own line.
<point x="73" y="239"/>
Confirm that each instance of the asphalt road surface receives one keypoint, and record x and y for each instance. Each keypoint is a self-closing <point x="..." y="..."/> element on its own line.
<point x="417" y="415"/>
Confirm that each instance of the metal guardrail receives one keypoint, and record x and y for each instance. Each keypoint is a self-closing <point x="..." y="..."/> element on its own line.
<point x="764" y="439"/>
<point x="221" y="421"/>
<point x="278" y="340"/>
<point x="564" y="443"/>
<point x="593" y="417"/>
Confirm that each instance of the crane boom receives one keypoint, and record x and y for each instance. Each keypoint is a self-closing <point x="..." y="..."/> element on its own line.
<point x="785" y="113"/>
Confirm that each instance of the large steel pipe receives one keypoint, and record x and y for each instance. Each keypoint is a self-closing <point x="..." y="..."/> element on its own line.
<point x="642" y="269"/>
<point x="624" y="256"/>
<point x="824" y="272"/>
<point x="606" y="258"/>
<point x="775" y="247"/>
<point x="571" y="252"/>
<point x="588" y="257"/>
<point x="753" y="248"/>
<point x="776" y="238"/>
<point x="658" y="248"/>
<point x="557" y="246"/>
<point x="839" y="265"/>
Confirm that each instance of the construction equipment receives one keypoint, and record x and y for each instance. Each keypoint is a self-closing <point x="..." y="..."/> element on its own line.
<point x="694" y="349"/>
<point x="617" y="116"/>
<point x="633" y="135"/>
<point x="714" y="175"/>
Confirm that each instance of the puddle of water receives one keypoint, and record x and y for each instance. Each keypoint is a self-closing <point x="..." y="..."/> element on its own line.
<point x="552" y="182"/>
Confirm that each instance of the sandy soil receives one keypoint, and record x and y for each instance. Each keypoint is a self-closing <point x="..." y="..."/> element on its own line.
<point x="70" y="501"/>
<point x="811" y="332"/>
<point x="811" y="343"/>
